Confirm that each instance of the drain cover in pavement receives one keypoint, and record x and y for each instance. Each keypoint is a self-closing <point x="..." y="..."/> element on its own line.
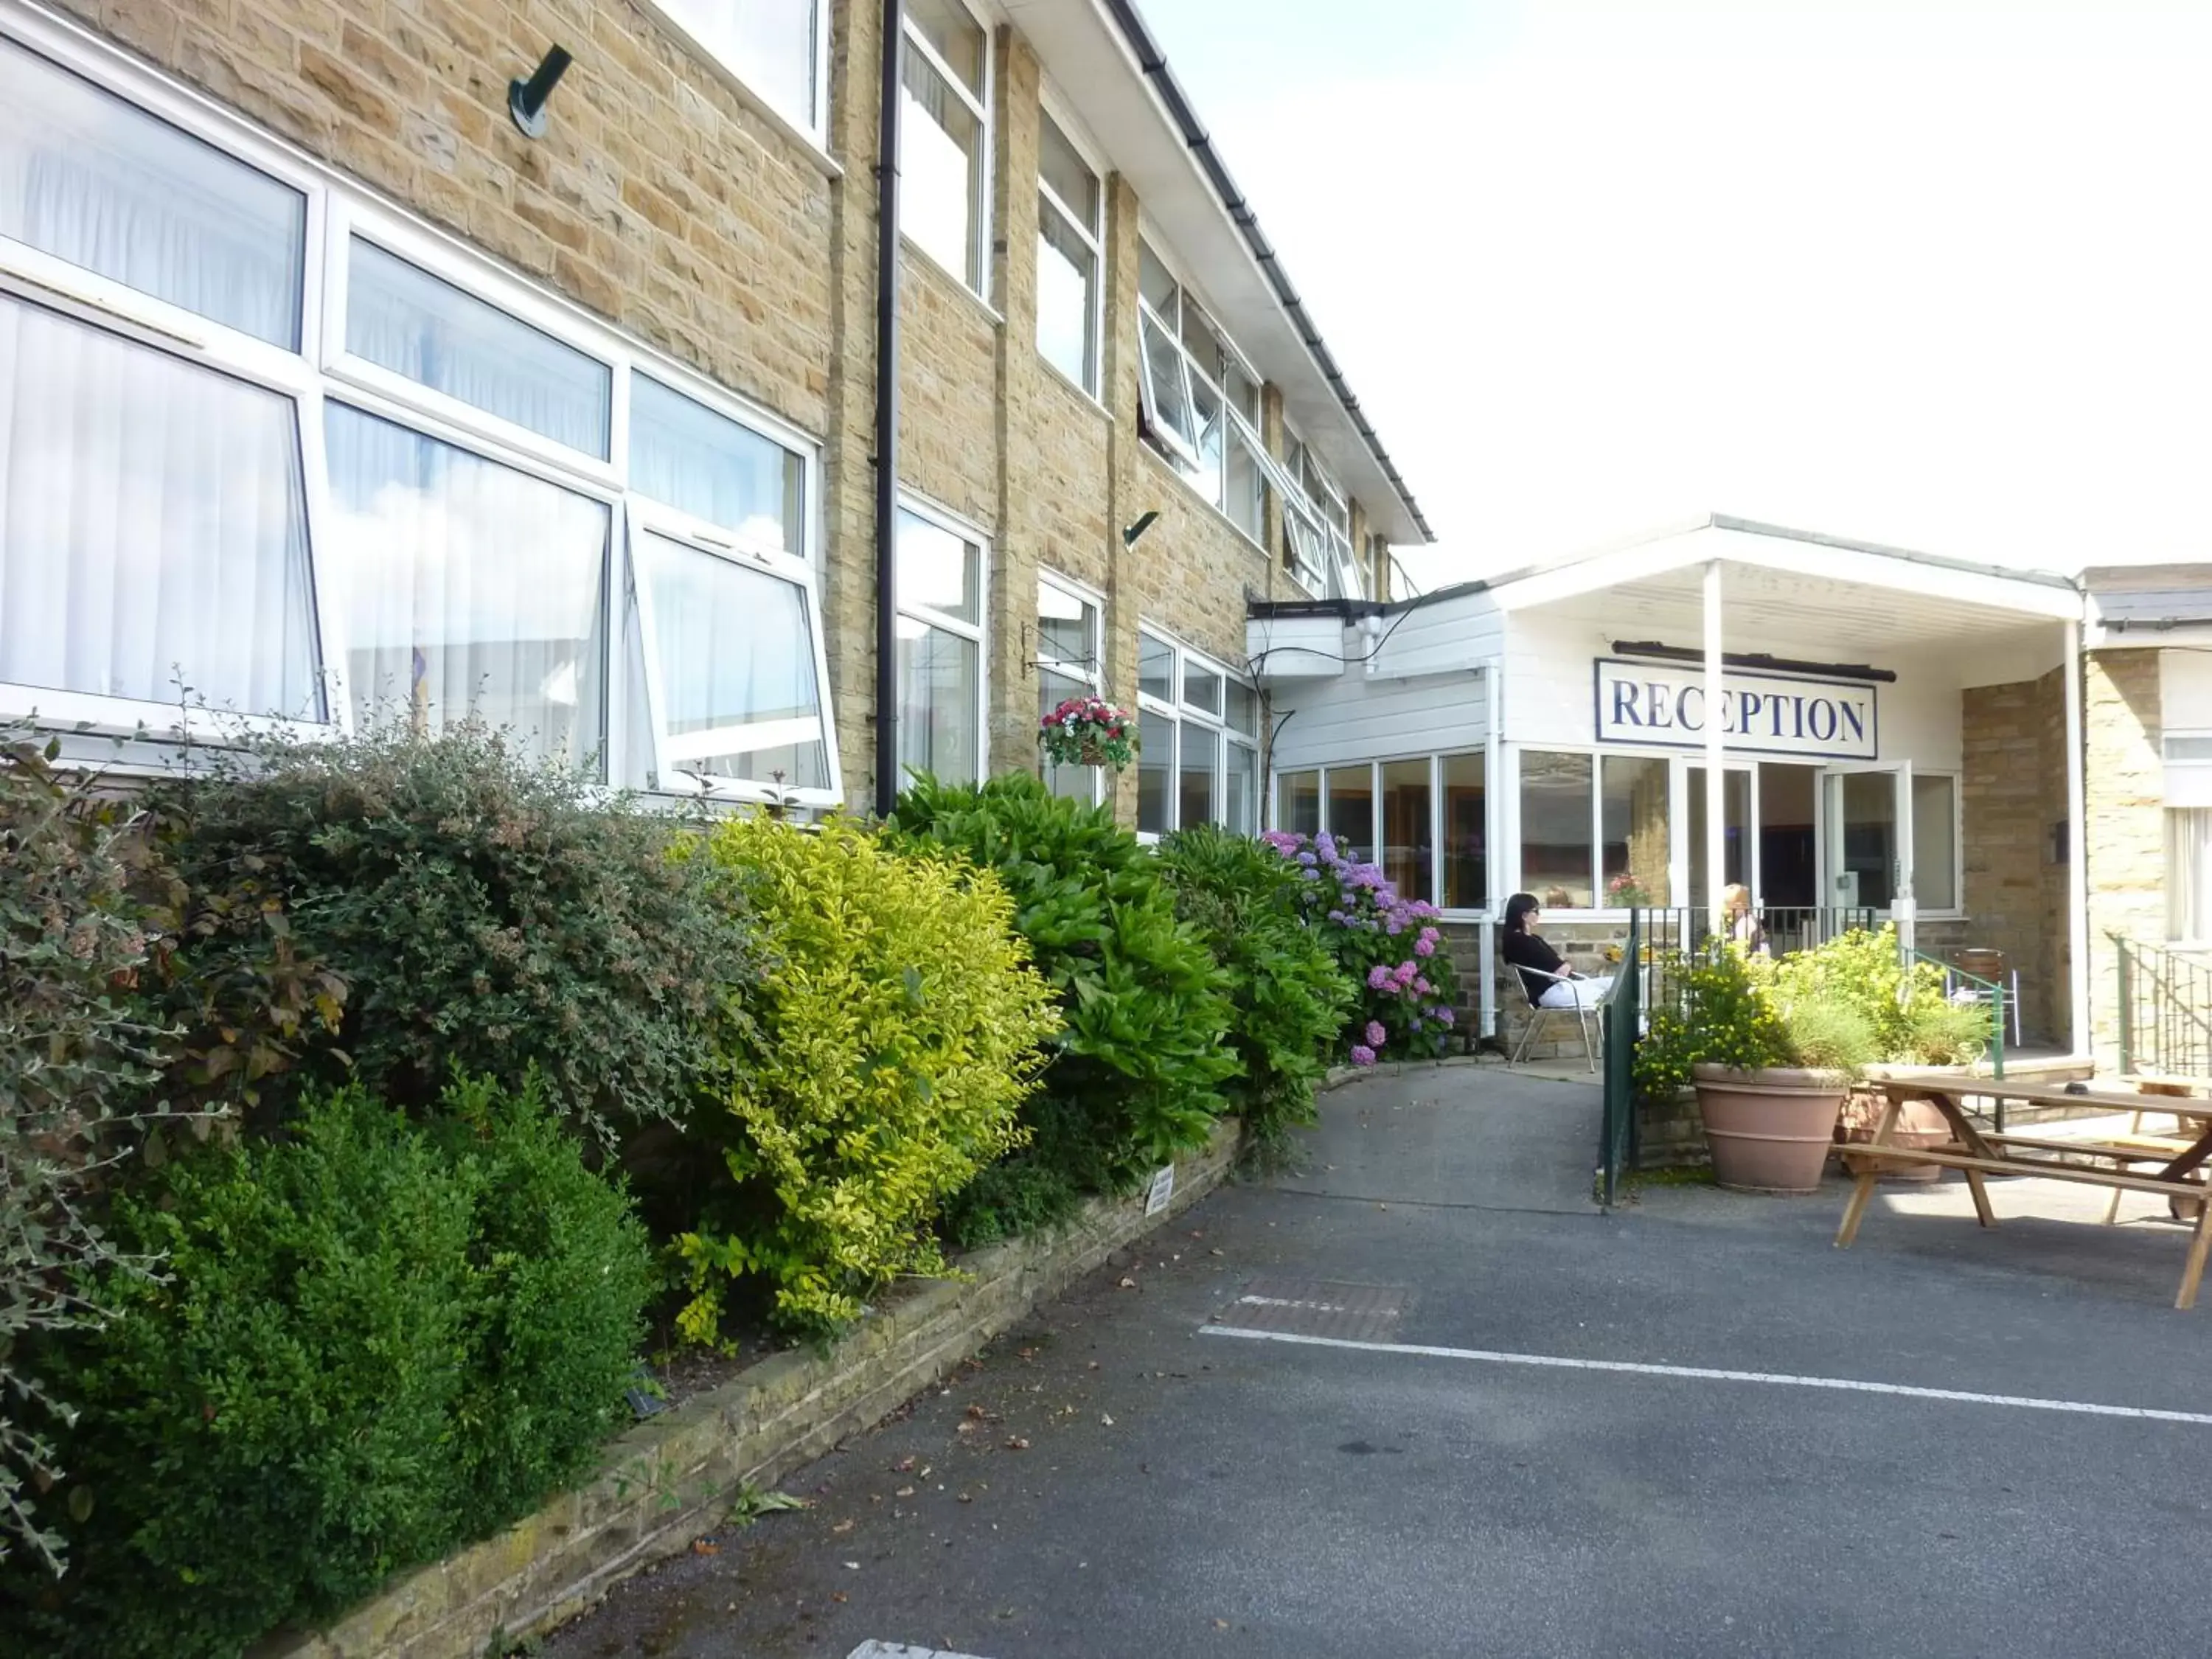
<point x="1318" y="1307"/>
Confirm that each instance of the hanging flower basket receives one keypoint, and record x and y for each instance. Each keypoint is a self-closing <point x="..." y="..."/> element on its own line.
<point x="1089" y="732"/>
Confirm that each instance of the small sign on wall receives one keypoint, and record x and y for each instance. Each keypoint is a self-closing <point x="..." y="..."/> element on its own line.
<point x="1663" y="706"/>
<point x="1162" y="1189"/>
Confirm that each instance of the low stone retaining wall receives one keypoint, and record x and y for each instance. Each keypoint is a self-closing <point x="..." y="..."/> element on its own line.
<point x="673" y="1477"/>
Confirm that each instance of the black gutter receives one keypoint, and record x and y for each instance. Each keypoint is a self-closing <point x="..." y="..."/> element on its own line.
<point x="1154" y="64"/>
<point x="887" y="357"/>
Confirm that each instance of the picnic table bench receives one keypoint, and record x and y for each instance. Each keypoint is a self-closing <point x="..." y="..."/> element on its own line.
<point x="2110" y="1161"/>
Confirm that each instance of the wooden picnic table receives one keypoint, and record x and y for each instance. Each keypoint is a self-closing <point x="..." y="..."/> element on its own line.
<point x="2108" y="1162"/>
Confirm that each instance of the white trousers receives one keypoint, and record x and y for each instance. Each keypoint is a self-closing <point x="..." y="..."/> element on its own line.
<point x="1568" y="993"/>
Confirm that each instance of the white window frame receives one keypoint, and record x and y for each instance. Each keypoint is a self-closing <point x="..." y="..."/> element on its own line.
<point x="1373" y="768"/>
<point x="1090" y="673"/>
<point x="1317" y="524"/>
<point x="1237" y="428"/>
<point x="322" y="371"/>
<point x="911" y="40"/>
<point x="1093" y="236"/>
<point x="979" y="630"/>
<point x="1180" y="713"/>
<point x="742" y="76"/>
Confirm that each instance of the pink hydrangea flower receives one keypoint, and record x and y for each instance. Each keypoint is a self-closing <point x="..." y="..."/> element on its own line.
<point x="1376" y="1034"/>
<point x="1362" y="1054"/>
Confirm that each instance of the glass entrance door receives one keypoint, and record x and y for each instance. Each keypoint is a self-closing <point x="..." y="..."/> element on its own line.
<point x="1869" y="813"/>
<point x="1735" y="831"/>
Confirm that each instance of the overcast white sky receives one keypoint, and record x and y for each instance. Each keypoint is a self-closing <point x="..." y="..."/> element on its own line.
<point x="1935" y="272"/>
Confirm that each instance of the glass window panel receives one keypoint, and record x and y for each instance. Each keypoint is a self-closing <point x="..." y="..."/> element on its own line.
<point x="89" y="179"/>
<point x="1736" y="797"/>
<point x="1244" y="393"/>
<point x="940" y="171"/>
<point x="1242" y="486"/>
<point x="1075" y="781"/>
<point x="1067" y="273"/>
<point x="1240" y="787"/>
<point x="1408" y="834"/>
<point x="712" y="467"/>
<point x="1201" y="341"/>
<point x="404" y="319"/>
<point x="1199" y="774"/>
<point x="1866" y="820"/>
<point x="1156" y="668"/>
<point x="1935" y="842"/>
<point x="953" y="33"/>
<point x="1299" y="801"/>
<point x="1467" y="833"/>
<point x="1062" y="167"/>
<point x="1156" y="765"/>
<point x="1556" y="855"/>
<point x="1789" y="811"/>
<point x="1352" y="810"/>
<point x="1067" y="628"/>
<point x="471" y="588"/>
<point x="768" y="42"/>
<point x="1201" y="686"/>
<point x="2189" y="874"/>
<point x="1206" y="477"/>
<point x="941" y="692"/>
<point x="735" y="651"/>
<point x="152" y="526"/>
<point x="1155" y="285"/>
<point x="939" y="568"/>
<point x="1243" y="707"/>
<point x="1634" y="820"/>
<point x="1164" y="375"/>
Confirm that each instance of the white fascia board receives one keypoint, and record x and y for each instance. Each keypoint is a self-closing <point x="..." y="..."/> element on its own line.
<point x="1315" y="647"/>
<point x="1909" y="576"/>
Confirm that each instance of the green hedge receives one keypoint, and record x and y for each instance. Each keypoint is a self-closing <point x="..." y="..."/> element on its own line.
<point x="1137" y="1075"/>
<point x="370" y="1343"/>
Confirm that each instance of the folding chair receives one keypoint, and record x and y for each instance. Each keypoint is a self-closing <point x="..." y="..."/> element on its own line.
<point x="1585" y="1016"/>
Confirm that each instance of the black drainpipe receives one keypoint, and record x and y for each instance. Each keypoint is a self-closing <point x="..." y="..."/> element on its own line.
<point x="887" y="346"/>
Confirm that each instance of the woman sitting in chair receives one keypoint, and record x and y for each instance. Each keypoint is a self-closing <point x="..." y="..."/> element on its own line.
<point x="1544" y="973"/>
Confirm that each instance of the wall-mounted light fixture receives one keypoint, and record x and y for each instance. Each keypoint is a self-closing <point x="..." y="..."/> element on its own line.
<point x="526" y="99"/>
<point x="1130" y="536"/>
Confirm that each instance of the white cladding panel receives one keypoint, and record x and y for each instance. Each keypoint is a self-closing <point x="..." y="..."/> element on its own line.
<point x="1359" y="718"/>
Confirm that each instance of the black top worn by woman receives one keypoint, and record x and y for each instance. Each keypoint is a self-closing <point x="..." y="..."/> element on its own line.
<point x="1529" y="953"/>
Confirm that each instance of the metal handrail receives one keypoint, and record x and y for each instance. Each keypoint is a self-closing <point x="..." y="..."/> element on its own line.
<point x="1623" y="1019"/>
<point x="2166" y="1011"/>
<point x="1995" y="996"/>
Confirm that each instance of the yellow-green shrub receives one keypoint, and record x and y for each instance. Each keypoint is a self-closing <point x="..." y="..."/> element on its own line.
<point x="883" y="1063"/>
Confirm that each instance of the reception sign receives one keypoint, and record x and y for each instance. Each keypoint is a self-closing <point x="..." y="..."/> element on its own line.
<point x="1663" y="706"/>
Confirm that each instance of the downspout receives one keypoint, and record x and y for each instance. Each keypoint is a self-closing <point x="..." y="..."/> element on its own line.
<point x="891" y="94"/>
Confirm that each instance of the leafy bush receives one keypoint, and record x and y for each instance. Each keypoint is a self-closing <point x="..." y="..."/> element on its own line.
<point x="1723" y="1019"/>
<point x="1861" y="970"/>
<point x="373" y="1342"/>
<point x="1940" y="1032"/>
<point x="1288" y="997"/>
<point x="891" y="1046"/>
<point x="488" y="912"/>
<point x="1137" y="1074"/>
<point x="1407" y="984"/>
<point x="76" y="1055"/>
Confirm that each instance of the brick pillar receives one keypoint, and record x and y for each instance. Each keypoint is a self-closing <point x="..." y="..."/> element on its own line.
<point x="2124" y="838"/>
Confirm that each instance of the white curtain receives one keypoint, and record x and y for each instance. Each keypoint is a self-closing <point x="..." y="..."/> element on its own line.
<point x="940" y="150"/>
<point x="939" y="701"/>
<point x="470" y="588"/>
<point x="735" y="650"/>
<point x="2189" y="874"/>
<point x="684" y="453"/>
<point x="153" y="527"/>
<point x="88" y="179"/>
<point x="415" y="325"/>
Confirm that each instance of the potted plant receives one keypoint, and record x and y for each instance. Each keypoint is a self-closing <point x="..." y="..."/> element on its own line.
<point x="1626" y="892"/>
<point x="1770" y="1076"/>
<point x="1089" y="732"/>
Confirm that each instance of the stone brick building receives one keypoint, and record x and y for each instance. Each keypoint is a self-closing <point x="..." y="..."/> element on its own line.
<point x="328" y="390"/>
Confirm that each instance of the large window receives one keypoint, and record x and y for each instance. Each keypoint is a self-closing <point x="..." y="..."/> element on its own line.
<point x="1071" y="231"/>
<point x="322" y="479"/>
<point x="1200" y="398"/>
<point x="774" y="47"/>
<point x="1318" y="527"/>
<point x="1634" y="852"/>
<point x="2189" y="874"/>
<point x="1198" y="733"/>
<point x="940" y="649"/>
<point x="1421" y="820"/>
<point x="945" y="154"/>
<point x="1466" y="830"/>
<point x="1069" y="664"/>
<point x="1558" y="846"/>
<point x="1935" y="840"/>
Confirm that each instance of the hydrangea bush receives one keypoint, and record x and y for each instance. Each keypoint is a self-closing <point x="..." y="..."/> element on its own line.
<point x="1389" y="945"/>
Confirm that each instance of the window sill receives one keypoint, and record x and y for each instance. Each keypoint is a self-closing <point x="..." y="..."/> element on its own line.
<point x="1076" y="386"/>
<point x="810" y="143"/>
<point x="915" y="249"/>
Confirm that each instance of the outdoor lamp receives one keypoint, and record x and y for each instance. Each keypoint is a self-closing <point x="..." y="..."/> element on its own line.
<point x="526" y="99"/>
<point x="1130" y="534"/>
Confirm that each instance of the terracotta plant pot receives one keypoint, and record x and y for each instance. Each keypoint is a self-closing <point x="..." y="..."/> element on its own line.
<point x="1918" y="1125"/>
<point x="1770" y="1130"/>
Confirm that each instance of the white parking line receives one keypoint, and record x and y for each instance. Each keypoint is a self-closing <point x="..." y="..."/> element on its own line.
<point x="1706" y="1374"/>
<point x="894" y="1650"/>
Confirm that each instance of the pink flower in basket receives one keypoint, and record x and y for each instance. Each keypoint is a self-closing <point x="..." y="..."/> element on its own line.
<point x="1088" y="731"/>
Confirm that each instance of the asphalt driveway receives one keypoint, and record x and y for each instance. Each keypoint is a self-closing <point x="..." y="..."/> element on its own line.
<point x="1423" y="1399"/>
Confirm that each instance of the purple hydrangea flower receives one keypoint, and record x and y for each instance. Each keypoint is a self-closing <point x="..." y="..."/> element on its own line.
<point x="1378" y="978"/>
<point x="1422" y="987"/>
<point x="1376" y="1034"/>
<point x="1445" y="1016"/>
<point x="1306" y="858"/>
<point x="1425" y="946"/>
<point x="1362" y="1054"/>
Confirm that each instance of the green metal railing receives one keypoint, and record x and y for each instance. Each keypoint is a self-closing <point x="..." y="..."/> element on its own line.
<point x="1623" y="1021"/>
<point x="1987" y="992"/>
<point x="2166" y="1011"/>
